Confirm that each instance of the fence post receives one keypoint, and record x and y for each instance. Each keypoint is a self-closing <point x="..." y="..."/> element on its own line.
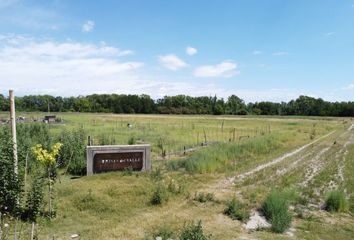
<point x="13" y="130"/>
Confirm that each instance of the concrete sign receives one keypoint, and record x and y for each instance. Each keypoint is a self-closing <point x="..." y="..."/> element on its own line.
<point x="117" y="158"/>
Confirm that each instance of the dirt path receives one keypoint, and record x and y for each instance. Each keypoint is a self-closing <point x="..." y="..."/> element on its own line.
<point x="227" y="183"/>
<point x="281" y="158"/>
<point x="314" y="165"/>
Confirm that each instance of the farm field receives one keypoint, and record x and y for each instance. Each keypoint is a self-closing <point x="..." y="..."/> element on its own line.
<point x="243" y="158"/>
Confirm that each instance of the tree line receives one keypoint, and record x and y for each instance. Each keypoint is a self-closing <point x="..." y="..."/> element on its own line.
<point x="180" y="104"/>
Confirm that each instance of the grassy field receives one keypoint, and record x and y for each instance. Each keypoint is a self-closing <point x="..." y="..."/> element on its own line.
<point x="250" y="156"/>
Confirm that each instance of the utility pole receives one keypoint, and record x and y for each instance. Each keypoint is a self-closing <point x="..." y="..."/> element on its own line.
<point x="13" y="130"/>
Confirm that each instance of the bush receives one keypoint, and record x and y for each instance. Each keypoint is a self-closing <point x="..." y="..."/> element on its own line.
<point x="204" y="197"/>
<point x="159" y="196"/>
<point x="193" y="231"/>
<point x="131" y="141"/>
<point x="77" y="167"/>
<point x="336" y="202"/>
<point x="34" y="200"/>
<point x="10" y="186"/>
<point x="275" y="209"/>
<point x="237" y="211"/>
<point x="73" y="151"/>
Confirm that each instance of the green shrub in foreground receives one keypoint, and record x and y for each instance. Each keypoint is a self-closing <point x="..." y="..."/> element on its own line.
<point x="237" y="211"/>
<point x="336" y="202"/>
<point x="275" y="209"/>
<point x="193" y="231"/>
<point x="159" y="196"/>
<point x="204" y="197"/>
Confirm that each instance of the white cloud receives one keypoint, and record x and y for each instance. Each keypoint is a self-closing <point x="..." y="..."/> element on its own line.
<point x="36" y="66"/>
<point x="172" y="62"/>
<point x="257" y="52"/>
<point x="88" y="26"/>
<point x="224" y="69"/>
<point x="280" y="53"/>
<point x="191" y="51"/>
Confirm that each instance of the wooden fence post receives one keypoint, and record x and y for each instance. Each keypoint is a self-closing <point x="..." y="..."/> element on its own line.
<point x="13" y="130"/>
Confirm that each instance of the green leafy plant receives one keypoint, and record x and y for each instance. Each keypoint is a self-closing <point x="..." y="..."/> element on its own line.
<point x="193" y="231"/>
<point x="237" y="210"/>
<point x="159" y="195"/>
<point x="73" y="151"/>
<point x="10" y="184"/>
<point x="131" y="141"/>
<point x="48" y="160"/>
<point x="34" y="200"/>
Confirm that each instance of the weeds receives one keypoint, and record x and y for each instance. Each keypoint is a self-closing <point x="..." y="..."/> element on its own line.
<point x="237" y="210"/>
<point x="204" y="197"/>
<point x="192" y="231"/>
<point x="159" y="196"/>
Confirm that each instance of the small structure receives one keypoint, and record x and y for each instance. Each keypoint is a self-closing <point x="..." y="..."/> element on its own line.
<point x="117" y="158"/>
<point x="50" y="119"/>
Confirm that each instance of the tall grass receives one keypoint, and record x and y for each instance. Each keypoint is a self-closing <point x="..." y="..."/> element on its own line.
<point x="336" y="202"/>
<point x="224" y="157"/>
<point x="275" y="209"/>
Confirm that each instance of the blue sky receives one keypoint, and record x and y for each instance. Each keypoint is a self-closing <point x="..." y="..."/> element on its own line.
<point x="259" y="50"/>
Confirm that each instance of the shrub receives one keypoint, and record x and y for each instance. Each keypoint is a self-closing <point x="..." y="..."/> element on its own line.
<point x="131" y="141"/>
<point x="336" y="202"/>
<point x="204" y="197"/>
<point x="34" y="199"/>
<point x="237" y="211"/>
<point x="77" y="167"/>
<point x="10" y="186"/>
<point x="159" y="196"/>
<point x="275" y="209"/>
<point x="73" y="151"/>
<point x="193" y="231"/>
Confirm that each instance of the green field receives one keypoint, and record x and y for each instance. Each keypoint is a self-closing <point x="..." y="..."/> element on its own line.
<point x="244" y="159"/>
